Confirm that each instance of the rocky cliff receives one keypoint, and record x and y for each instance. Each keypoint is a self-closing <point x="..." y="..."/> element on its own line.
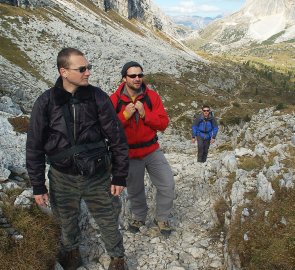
<point x="36" y="35"/>
<point x="143" y="10"/>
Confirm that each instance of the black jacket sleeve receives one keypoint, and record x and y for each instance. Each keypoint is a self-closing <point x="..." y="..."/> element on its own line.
<point x="114" y="132"/>
<point x="35" y="155"/>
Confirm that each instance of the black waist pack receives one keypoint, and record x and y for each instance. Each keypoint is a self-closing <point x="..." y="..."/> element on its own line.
<point x="89" y="159"/>
<point x="96" y="161"/>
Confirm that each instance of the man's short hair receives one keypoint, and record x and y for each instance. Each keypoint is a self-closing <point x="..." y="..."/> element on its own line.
<point x="64" y="55"/>
<point x="129" y="65"/>
<point x="205" y="106"/>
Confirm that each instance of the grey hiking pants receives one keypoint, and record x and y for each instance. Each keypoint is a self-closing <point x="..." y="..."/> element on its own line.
<point x="161" y="176"/>
<point x="66" y="192"/>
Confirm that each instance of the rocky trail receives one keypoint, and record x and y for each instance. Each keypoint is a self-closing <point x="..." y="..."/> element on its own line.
<point x="191" y="245"/>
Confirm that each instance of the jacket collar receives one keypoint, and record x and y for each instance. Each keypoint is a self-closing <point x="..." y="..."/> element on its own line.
<point x="123" y="94"/>
<point x="61" y="96"/>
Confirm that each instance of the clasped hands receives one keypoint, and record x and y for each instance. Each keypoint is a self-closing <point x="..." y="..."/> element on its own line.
<point x="131" y="109"/>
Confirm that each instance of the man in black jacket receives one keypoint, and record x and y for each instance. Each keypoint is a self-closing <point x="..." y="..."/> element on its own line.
<point x="69" y="125"/>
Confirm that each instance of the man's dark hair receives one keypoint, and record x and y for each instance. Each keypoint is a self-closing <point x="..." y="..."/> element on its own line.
<point x="129" y="65"/>
<point x="64" y="55"/>
<point x="205" y="106"/>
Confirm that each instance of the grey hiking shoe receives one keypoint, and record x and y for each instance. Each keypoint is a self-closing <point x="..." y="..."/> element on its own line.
<point x="134" y="225"/>
<point x="164" y="227"/>
<point x="118" y="263"/>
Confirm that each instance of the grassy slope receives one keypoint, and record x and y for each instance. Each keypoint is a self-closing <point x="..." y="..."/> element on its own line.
<point x="253" y="91"/>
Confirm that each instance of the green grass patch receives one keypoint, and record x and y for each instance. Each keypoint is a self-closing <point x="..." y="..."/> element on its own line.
<point x="248" y="163"/>
<point x="225" y="147"/>
<point x="220" y="208"/>
<point x="270" y="229"/>
<point x="289" y="161"/>
<point x="39" y="246"/>
<point x="12" y="53"/>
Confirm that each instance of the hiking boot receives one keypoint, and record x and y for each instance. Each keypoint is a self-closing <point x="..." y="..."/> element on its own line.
<point x="70" y="260"/>
<point x="164" y="227"/>
<point x="134" y="225"/>
<point x="118" y="263"/>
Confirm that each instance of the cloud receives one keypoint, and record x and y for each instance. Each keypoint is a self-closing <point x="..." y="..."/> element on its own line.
<point x="191" y="8"/>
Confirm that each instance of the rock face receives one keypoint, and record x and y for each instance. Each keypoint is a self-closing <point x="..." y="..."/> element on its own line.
<point x="269" y="7"/>
<point x="107" y="43"/>
<point x="28" y="3"/>
<point x="142" y="10"/>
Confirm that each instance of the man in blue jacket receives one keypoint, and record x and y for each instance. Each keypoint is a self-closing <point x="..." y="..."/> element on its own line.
<point x="205" y="129"/>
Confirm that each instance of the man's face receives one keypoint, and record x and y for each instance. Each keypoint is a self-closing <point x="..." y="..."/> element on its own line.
<point x="206" y="111"/>
<point x="136" y="82"/>
<point x="77" y="73"/>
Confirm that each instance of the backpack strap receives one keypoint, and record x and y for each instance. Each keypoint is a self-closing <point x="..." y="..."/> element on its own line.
<point x="145" y="99"/>
<point x="66" y="113"/>
<point x="74" y="149"/>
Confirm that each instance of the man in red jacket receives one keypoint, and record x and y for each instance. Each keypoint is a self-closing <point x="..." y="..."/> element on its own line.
<point x="142" y="114"/>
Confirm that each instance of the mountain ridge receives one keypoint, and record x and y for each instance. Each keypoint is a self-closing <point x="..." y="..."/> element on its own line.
<point x="255" y="22"/>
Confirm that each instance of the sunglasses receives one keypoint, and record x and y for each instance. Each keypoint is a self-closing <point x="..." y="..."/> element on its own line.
<point x="82" y="69"/>
<point x="206" y="110"/>
<point x="133" y="76"/>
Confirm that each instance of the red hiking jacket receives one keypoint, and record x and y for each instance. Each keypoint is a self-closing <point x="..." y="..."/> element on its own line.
<point x="146" y="129"/>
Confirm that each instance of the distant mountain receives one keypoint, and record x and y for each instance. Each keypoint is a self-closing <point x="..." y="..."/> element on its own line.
<point x="268" y="21"/>
<point x="194" y="22"/>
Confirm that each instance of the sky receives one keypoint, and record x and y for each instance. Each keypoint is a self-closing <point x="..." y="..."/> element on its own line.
<point x="203" y="8"/>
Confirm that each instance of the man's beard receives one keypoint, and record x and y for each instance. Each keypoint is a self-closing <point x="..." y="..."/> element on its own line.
<point x="135" y="89"/>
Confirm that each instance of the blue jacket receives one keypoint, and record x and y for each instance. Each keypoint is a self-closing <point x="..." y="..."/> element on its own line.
<point x="206" y="128"/>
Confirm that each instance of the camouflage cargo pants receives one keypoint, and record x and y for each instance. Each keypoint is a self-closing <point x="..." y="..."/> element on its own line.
<point x="66" y="192"/>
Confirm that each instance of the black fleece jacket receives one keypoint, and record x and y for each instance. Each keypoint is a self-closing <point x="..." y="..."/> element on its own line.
<point x="95" y="118"/>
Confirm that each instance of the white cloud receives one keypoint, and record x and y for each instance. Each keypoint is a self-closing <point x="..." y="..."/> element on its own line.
<point x="191" y="8"/>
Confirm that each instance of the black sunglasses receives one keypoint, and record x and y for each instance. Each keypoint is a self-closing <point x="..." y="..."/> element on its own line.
<point x="82" y="69"/>
<point x="206" y="110"/>
<point x="133" y="76"/>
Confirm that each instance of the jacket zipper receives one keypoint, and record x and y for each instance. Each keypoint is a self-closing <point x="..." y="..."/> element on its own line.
<point x="74" y="116"/>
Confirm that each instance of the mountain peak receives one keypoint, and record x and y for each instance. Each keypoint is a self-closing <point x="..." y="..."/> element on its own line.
<point x="260" y="8"/>
<point x="271" y="21"/>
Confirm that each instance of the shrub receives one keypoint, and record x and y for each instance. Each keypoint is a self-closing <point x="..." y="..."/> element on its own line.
<point x="281" y="106"/>
<point x="20" y="123"/>
<point x="220" y="207"/>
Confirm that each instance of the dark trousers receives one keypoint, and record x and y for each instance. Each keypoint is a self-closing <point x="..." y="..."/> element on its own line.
<point x="203" y="147"/>
<point x="66" y="193"/>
